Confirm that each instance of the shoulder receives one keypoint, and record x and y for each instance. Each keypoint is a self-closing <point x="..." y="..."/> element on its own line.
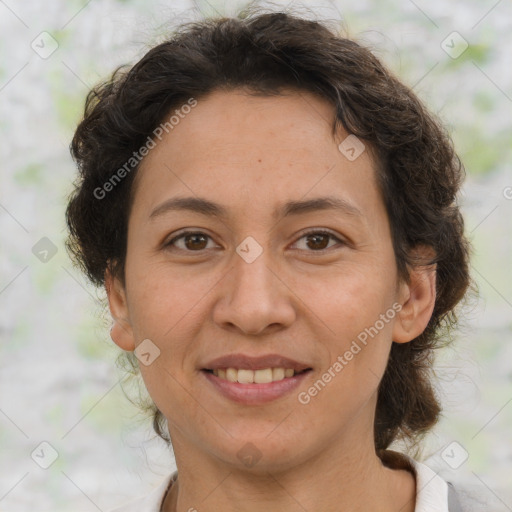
<point x="431" y="489"/>
<point x="434" y="493"/>
<point x="478" y="498"/>
<point x="151" y="502"/>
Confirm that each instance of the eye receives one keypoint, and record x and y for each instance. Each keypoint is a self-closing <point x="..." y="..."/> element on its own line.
<point x="193" y="241"/>
<point x="318" y="240"/>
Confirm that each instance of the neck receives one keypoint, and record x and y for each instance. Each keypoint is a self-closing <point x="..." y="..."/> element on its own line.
<point x="353" y="484"/>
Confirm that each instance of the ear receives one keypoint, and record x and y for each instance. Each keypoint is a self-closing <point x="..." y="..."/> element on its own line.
<point x="417" y="297"/>
<point x="121" y="331"/>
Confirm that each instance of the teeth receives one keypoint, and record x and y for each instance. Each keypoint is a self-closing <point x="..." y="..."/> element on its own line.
<point x="263" y="376"/>
<point x="232" y="375"/>
<point x="279" y="373"/>
<point x="245" y="376"/>
<point x="254" y="376"/>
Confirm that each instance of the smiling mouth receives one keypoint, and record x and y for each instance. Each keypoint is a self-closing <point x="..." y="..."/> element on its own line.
<point x="263" y="376"/>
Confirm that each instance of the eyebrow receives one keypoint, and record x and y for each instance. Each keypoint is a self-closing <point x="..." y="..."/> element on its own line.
<point x="211" y="209"/>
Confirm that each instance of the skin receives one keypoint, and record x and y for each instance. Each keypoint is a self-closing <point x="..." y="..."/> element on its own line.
<point x="201" y="300"/>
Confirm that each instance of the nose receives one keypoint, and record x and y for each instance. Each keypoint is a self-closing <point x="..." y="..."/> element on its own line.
<point x="254" y="298"/>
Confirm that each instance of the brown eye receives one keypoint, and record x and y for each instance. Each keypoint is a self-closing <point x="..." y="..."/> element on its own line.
<point x="317" y="241"/>
<point x="192" y="241"/>
<point x="195" y="241"/>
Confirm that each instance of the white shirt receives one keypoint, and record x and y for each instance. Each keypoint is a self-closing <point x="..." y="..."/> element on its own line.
<point x="431" y="493"/>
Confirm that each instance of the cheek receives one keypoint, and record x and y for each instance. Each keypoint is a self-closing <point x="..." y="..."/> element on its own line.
<point x="354" y="299"/>
<point x="160" y="300"/>
<point x="168" y="307"/>
<point x="360" y="332"/>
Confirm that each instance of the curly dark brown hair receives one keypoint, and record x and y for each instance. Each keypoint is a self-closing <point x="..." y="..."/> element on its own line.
<point x="418" y="171"/>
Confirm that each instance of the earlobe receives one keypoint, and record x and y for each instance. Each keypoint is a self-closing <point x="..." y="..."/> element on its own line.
<point x="418" y="301"/>
<point x="121" y="331"/>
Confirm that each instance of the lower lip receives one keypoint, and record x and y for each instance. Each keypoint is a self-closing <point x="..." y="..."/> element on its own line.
<point x="255" y="394"/>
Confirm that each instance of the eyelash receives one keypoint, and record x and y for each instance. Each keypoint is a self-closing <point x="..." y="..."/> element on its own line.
<point x="308" y="233"/>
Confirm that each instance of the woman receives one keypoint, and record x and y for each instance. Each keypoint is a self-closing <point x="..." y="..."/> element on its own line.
<point x="273" y="216"/>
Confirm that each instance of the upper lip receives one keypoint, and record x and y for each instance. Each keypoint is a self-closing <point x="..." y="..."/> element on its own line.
<point x="244" y="362"/>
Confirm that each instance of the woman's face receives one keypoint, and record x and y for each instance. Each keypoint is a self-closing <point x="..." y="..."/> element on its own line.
<point x="253" y="283"/>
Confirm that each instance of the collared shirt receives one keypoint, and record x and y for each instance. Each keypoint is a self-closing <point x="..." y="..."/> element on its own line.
<point x="431" y="492"/>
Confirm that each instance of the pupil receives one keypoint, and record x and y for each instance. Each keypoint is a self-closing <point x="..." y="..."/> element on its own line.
<point x="316" y="243"/>
<point x="194" y="242"/>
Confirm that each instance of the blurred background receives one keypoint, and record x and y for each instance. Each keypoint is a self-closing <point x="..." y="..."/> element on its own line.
<point x="69" y="438"/>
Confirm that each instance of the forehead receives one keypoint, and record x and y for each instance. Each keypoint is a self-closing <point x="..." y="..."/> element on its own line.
<point x="254" y="151"/>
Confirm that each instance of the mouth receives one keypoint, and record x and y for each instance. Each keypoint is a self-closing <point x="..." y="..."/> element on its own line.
<point x="261" y="376"/>
<point x="251" y="380"/>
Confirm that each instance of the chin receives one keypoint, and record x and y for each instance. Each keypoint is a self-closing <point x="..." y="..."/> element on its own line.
<point x="261" y="455"/>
